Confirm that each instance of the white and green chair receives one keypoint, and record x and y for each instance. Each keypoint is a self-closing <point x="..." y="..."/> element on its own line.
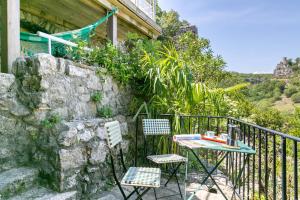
<point x="161" y="127"/>
<point x="142" y="179"/>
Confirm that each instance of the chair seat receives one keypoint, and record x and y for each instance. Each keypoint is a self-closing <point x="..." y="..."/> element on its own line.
<point x="142" y="177"/>
<point x="167" y="158"/>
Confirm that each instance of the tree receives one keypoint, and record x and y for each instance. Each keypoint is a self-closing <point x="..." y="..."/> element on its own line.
<point x="198" y="55"/>
<point x="170" y="24"/>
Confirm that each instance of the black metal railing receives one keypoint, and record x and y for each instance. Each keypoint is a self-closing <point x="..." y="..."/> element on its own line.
<point x="272" y="173"/>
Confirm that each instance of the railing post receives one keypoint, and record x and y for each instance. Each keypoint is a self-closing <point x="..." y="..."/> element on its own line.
<point x="295" y="171"/>
<point x="136" y="141"/>
<point x="208" y="123"/>
<point x="253" y="165"/>
<point x="259" y="163"/>
<point x="274" y="167"/>
<point x="266" y="166"/>
<point x="283" y="168"/>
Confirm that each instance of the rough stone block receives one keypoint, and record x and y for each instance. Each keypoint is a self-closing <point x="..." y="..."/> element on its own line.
<point x="7" y="125"/>
<point x="100" y="132"/>
<point x="94" y="83"/>
<point x="124" y="128"/>
<point x="6" y="82"/>
<point x="107" y="85"/>
<point x="98" y="153"/>
<point x="61" y="65"/>
<point x="68" y="138"/>
<point x="20" y="66"/>
<point x="72" y="158"/>
<point x="85" y="136"/>
<point x="72" y="70"/>
<point x="44" y="64"/>
<point x="19" y="110"/>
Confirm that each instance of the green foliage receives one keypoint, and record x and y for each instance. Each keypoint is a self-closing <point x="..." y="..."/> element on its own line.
<point x="267" y="89"/>
<point x="296" y="97"/>
<point x="113" y="60"/>
<point x="293" y="123"/>
<point x="290" y="90"/>
<point x="175" y="90"/>
<point x="268" y="117"/>
<point x="177" y="74"/>
<point x="105" y="112"/>
<point x="234" y="78"/>
<point x="78" y="53"/>
<point x="51" y="121"/>
<point x="96" y="97"/>
<point x="170" y="23"/>
<point x="198" y="55"/>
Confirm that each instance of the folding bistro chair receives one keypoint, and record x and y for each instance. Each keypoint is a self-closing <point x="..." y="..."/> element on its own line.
<point x="160" y="127"/>
<point x="142" y="179"/>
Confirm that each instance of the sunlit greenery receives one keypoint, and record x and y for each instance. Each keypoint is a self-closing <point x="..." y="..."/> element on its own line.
<point x="180" y="74"/>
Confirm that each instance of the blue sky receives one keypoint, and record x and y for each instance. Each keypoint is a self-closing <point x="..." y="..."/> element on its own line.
<point x="251" y="35"/>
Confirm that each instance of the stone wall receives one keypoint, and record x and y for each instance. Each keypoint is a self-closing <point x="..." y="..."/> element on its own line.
<point x="0" y="32"/>
<point x="72" y="153"/>
<point x="14" y="134"/>
<point x="56" y="86"/>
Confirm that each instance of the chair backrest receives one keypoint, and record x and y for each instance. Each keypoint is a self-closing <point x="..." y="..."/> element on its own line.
<point x="113" y="133"/>
<point x="156" y="127"/>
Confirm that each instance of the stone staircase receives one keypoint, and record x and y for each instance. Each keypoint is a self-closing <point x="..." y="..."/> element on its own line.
<point x="22" y="183"/>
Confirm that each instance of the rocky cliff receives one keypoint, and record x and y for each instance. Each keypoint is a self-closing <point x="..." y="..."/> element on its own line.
<point x="283" y="69"/>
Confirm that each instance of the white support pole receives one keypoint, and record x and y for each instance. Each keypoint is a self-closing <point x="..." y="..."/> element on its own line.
<point x="49" y="46"/>
<point x="57" y="39"/>
<point x="10" y="33"/>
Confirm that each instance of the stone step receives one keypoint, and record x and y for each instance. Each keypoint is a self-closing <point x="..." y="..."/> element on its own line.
<point x="41" y="193"/>
<point x="17" y="180"/>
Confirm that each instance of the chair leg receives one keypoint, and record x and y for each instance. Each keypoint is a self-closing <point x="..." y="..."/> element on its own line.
<point x="155" y="194"/>
<point x="178" y="186"/>
<point x="174" y="173"/>
<point x="121" y="189"/>
<point x="143" y="193"/>
<point x="137" y="191"/>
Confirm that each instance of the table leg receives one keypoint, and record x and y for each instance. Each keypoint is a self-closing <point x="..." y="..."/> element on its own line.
<point x="186" y="173"/>
<point x="209" y="173"/>
<point x="215" y="167"/>
<point x="239" y="176"/>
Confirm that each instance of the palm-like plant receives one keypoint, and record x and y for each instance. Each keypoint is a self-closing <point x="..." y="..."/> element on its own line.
<point x="173" y="90"/>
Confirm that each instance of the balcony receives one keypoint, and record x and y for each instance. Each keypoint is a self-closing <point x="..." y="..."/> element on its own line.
<point x="147" y="6"/>
<point x="272" y="173"/>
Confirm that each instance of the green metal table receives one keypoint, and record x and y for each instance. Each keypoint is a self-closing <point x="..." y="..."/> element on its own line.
<point x="192" y="145"/>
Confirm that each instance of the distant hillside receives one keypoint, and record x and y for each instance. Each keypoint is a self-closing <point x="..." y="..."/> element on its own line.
<point x="280" y="90"/>
<point x="236" y="78"/>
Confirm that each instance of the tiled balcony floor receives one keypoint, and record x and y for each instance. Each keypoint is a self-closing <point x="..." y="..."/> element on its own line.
<point x="172" y="188"/>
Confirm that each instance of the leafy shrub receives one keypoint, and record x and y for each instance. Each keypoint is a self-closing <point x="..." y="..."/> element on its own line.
<point x="97" y="97"/>
<point x="105" y="112"/>
<point x="291" y="89"/>
<point x="51" y="121"/>
<point x="78" y="53"/>
<point x="296" y="97"/>
<point x="266" y="89"/>
<point x="268" y="117"/>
